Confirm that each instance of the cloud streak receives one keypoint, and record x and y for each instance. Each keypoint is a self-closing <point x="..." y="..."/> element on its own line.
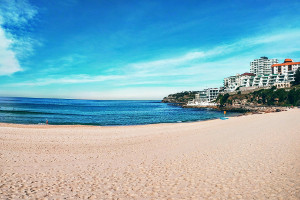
<point x="268" y="41"/>
<point x="13" y="15"/>
<point x="189" y="68"/>
<point x="8" y="61"/>
<point x="17" y="12"/>
<point x="81" y="78"/>
<point x="170" y="61"/>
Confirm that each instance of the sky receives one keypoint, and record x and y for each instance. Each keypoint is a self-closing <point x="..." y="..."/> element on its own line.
<point x="123" y="50"/>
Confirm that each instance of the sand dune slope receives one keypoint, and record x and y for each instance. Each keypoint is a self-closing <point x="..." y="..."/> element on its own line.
<point x="248" y="157"/>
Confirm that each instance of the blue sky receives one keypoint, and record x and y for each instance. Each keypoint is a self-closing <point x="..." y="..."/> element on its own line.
<point x="137" y="49"/>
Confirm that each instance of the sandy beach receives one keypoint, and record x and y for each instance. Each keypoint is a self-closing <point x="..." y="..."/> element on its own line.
<point x="247" y="157"/>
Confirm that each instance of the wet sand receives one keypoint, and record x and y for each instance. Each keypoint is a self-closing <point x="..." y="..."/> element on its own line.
<point x="247" y="157"/>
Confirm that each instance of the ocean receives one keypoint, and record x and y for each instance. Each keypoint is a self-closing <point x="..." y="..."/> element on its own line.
<point x="98" y="112"/>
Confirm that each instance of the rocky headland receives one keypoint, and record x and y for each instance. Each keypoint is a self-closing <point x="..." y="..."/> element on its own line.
<point x="261" y="101"/>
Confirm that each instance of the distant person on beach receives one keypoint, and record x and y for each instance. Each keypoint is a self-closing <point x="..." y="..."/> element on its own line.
<point x="47" y="121"/>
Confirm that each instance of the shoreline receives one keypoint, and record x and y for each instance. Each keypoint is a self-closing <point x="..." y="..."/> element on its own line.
<point x="97" y="126"/>
<point x="244" y="109"/>
<point x="42" y="125"/>
<point x="113" y="114"/>
<point x="247" y="157"/>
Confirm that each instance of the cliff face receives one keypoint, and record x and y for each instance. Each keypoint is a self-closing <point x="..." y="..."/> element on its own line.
<point x="180" y="98"/>
<point x="169" y="99"/>
<point x="262" y="98"/>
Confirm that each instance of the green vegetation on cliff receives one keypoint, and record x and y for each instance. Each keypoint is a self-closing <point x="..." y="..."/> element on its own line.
<point x="297" y="77"/>
<point x="181" y="97"/>
<point x="263" y="97"/>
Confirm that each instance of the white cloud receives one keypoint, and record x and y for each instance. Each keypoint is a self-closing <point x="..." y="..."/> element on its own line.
<point x="81" y="78"/>
<point x="8" y="61"/>
<point x="272" y="43"/>
<point x="64" y="62"/>
<point x="289" y="35"/>
<point x="189" y="69"/>
<point x="14" y="14"/>
<point x="170" y="61"/>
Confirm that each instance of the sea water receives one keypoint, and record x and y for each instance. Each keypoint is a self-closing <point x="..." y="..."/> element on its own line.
<point x="98" y="112"/>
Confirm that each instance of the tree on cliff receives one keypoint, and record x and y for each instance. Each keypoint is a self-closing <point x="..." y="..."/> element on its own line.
<point x="297" y="77"/>
<point x="281" y="94"/>
<point x="294" y="97"/>
<point x="222" y="99"/>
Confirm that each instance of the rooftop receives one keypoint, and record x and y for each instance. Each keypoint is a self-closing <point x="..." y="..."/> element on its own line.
<point x="264" y="57"/>
<point x="288" y="60"/>
<point x="247" y="74"/>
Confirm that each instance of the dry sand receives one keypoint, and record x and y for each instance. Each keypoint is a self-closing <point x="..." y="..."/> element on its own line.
<point x="248" y="157"/>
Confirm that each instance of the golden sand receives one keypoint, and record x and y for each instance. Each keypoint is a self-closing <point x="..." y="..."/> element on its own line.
<point x="248" y="157"/>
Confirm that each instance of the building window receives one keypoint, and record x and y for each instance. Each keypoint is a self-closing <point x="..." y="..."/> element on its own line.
<point x="290" y="68"/>
<point x="279" y="69"/>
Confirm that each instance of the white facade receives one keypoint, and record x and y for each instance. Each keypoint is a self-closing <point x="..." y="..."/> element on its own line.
<point x="205" y="96"/>
<point x="211" y="94"/>
<point x="281" y="75"/>
<point x="289" y="67"/>
<point x="197" y="97"/>
<point x="240" y="80"/>
<point x="231" y="83"/>
<point x="282" y="85"/>
<point x="263" y="81"/>
<point x="262" y="65"/>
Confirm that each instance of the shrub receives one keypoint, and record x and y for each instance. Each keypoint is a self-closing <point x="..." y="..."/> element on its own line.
<point x="223" y="99"/>
<point x="297" y="77"/>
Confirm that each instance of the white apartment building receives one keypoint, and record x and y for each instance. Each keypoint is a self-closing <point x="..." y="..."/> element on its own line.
<point x="205" y="97"/>
<point x="209" y="94"/>
<point x="262" y="65"/>
<point x="282" y="75"/>
<point x="231" y="83"/>
<point x="287" y="68"/>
